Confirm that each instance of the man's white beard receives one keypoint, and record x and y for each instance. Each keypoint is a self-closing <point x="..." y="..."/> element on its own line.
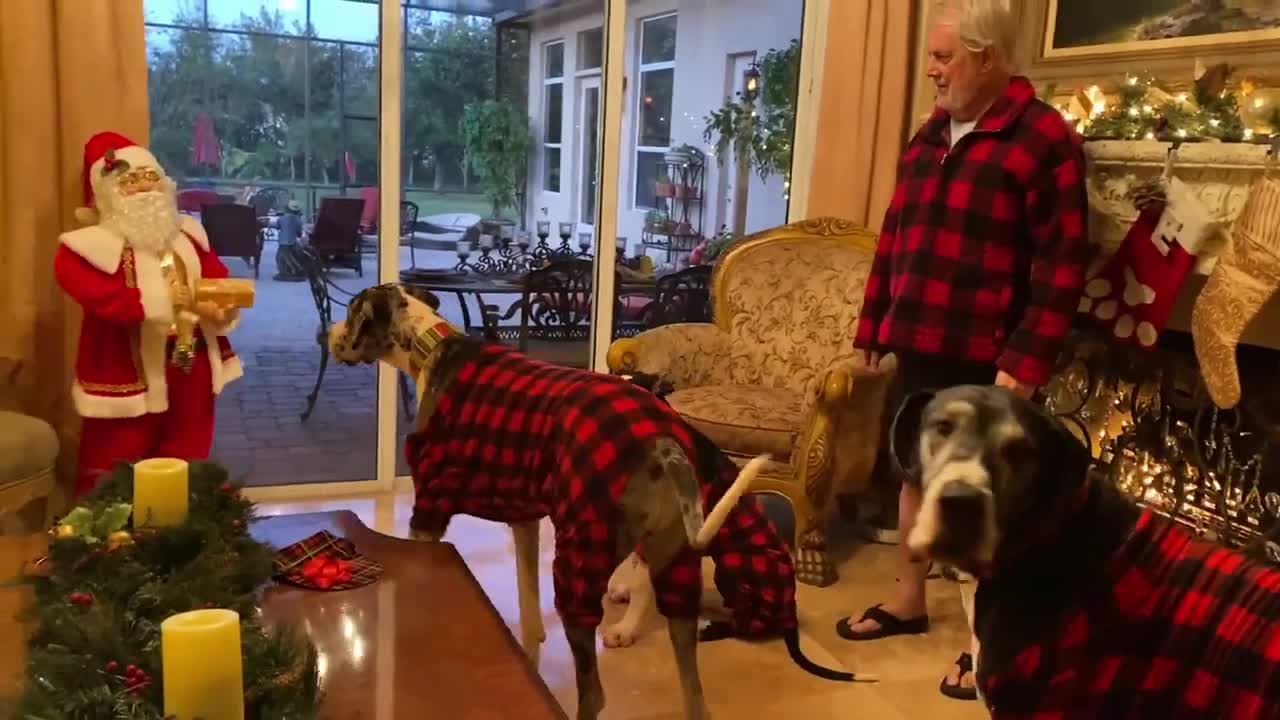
<point x="149" y="221"/>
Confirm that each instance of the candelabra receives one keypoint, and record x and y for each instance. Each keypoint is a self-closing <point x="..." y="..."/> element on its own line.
<point x="543" y="250"/>
<point x="584" y="244"/>
<point x="566" y="232"/>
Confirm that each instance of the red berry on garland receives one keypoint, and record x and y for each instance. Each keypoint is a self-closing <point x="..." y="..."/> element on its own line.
<point x="227" y="487"/>
<point x="112" y="666"/>
<point x="237" y="524"/>
<point x="209" y="605"/>
<point x="131" y="670"/>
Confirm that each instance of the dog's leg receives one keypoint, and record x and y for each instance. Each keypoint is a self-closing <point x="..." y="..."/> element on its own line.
<point x="582" y="642"/>
<point x="684" y="641"/>
<point x="532" y="632"/>
<point x="634" y="574"/>
<point x="622" y="579"/>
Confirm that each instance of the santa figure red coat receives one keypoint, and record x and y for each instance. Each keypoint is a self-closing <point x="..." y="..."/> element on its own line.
<point x="135" y="402"/>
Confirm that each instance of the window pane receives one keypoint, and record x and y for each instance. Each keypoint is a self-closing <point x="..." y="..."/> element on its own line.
<point x="284" y="17"/>
<point x="659" y="41"/>
<point x="343" y="19"/>
<point x="655" y="107"/>
<point x="555" y="60"/>
<point x="551" y="170"/>
<point x="174" y="12"/>
<point x="555" y="109"/>
<point x="590" y="49"/>
<point x="647" y="166"/>
<point x="258" y="120"/>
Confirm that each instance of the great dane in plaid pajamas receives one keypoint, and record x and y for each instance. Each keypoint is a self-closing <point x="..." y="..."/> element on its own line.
<point x="506" y="438"/>
<point x="1087" y="606"/>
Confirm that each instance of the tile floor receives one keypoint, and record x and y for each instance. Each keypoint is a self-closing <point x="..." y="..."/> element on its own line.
<point x="746" y="680"/>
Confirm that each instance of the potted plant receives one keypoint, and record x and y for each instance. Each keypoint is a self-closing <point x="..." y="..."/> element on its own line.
<point x="496" y="136"/>
<point x="761" y="136"/>
<point x="663" y="188"/>
<point x="657" y="221"/>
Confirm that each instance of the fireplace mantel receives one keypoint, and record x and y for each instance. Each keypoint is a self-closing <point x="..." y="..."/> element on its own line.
<point x="1221" y="175"/>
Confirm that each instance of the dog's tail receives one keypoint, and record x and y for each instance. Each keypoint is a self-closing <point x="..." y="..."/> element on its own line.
<point x="792" y="639"/>
<point x="720" y="512"/>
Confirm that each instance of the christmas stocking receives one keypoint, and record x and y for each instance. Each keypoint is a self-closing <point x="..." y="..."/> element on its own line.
<point x="1134" y="292"/>
<point x="1245" y="277"/>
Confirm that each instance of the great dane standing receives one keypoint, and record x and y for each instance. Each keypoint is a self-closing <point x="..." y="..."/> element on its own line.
<point x="1087" y="606"/>
<point x="506" y="438"/>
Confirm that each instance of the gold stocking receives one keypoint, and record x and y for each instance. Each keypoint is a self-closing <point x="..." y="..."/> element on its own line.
<point x="1246" y="276"/>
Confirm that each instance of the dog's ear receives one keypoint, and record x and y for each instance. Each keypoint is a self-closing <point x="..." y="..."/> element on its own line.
<point x="904" y="434"/>
<point x="1064" y="460"/>
<point x="368" y="316"/>
<point x="422" y="295"/>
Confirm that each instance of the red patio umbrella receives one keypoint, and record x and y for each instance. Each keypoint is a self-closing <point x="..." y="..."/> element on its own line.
<point x="204" y="143"/>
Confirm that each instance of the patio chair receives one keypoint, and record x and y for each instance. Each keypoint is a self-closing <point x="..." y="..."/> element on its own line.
<point x="269" y="199"/>
<point x="681" y="297"/>
<point x="555" y="313"/>
<point x="369" y="211"/>
<point x="408" y="220"/>
<point x="234" y="232"/>
<point x="191" y="200"/>
<point x="336" y="235"/>
<point x="326" y="294"/>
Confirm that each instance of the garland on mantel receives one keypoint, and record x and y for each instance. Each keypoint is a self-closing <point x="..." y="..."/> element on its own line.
<point x="1142" y="110"/>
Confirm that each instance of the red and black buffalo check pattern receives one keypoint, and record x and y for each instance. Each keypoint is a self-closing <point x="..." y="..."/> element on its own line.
<point x="983" y="250"/>
<point x="1184" y="630"/>
<point x="513" y="440"/>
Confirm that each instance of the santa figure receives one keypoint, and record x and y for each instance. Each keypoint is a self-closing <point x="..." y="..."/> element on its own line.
<point x="136" y="401"/>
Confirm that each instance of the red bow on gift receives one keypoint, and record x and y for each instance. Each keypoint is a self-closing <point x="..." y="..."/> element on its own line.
<point x="326" y="570"/>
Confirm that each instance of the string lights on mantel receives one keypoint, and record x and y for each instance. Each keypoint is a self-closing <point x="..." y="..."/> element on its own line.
<point x="1141" y="110"/>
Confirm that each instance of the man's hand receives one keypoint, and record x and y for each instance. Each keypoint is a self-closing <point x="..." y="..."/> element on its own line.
<point x="1005" y="380"/>
<point x="871" y="359"/>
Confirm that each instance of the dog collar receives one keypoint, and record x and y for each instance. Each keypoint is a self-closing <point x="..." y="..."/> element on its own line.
<point x="427" y="342"/>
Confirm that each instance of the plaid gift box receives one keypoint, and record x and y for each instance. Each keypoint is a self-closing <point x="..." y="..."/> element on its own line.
<point x="291" y="561"/>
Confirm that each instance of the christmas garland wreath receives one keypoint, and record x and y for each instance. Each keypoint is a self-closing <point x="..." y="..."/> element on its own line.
<point x="94" y="645"/>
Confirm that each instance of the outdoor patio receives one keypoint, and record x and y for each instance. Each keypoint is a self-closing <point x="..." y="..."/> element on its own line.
<point x="259" y="435"/>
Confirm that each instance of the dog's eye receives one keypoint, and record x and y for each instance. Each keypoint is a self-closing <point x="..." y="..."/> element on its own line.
<point x="944" y="426"/>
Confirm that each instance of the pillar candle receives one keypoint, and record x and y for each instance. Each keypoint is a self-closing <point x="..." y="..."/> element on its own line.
<point x="202" y="671"/>
<point x="159" y="492"/>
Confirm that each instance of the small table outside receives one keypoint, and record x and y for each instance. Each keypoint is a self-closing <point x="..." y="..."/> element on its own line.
<point x="423" y="642"/>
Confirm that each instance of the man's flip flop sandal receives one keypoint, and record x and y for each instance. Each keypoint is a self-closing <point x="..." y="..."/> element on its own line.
<point x="890" y="625"/>
<point x="958" y="691"/>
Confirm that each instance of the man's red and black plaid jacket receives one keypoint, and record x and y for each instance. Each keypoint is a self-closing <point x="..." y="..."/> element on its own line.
<point x="983" y="250"/>
<point x="512" y="439"/>
<point x="1160" y="626"/>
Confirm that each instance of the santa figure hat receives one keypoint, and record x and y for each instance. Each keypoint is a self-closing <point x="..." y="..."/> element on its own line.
<point x="96" y="152"/>
<point x="121" y="148"/>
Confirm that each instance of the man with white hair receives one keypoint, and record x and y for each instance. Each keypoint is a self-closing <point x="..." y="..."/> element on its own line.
<point x="981" y="258"/>
<point x="135" y="401"/>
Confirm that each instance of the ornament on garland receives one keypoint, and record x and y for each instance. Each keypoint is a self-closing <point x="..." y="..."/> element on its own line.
<point x="95" y="526"/>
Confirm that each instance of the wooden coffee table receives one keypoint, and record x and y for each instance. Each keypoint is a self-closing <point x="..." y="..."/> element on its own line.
<point x="422" y="642"/>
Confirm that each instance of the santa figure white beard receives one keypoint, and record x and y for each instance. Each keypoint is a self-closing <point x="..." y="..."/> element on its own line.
<point x="148" y="220"/>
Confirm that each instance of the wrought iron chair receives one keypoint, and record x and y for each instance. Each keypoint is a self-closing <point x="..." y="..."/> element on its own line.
<point x="233" y="232"/>
<point x="323" y="293"/>
<point x="408" y="221"/>
<point x="681" y="297"/>
<point x="336" y="235"/>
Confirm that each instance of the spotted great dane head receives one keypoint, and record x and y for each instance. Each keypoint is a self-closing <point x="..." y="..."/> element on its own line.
<point x="995" y="469"/>
<point x="381" y="323"/>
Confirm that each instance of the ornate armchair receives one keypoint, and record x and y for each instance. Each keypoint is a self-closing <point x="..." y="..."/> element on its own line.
<point x="775" y="372"/>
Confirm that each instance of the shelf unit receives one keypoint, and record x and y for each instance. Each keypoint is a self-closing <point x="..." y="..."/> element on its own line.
<point x="682" y="199"/>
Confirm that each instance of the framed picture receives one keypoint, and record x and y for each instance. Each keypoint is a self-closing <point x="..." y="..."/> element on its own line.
<point x="1078" y="28"/>
<point x="1078" y="43"/>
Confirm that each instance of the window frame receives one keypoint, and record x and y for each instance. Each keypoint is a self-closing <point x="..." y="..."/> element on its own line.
<point x="544" y="166"/>
<point x="642" y="68"/>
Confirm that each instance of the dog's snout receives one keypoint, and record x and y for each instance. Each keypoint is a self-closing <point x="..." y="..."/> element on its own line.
<point x="961" y="493"/>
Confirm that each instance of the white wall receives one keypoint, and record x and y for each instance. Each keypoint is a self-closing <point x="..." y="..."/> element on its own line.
<point x="709" y="33"/>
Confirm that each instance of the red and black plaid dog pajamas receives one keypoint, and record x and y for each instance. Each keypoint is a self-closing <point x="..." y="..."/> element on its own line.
<point x="512" y="439"/>
<point x="1161" y="626"/>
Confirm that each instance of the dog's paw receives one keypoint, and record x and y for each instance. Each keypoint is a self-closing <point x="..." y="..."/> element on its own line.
<point x="619" y="635"/>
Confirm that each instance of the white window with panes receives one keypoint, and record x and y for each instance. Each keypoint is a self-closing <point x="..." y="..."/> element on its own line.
<point x="654" y="101"/>
<point x="552" y="113"/>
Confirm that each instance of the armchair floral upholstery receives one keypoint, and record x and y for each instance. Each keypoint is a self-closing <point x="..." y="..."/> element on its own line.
<point x="775" y="372"/>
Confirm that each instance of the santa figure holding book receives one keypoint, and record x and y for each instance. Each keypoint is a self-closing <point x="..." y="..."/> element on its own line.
<point x="151" y="359"/>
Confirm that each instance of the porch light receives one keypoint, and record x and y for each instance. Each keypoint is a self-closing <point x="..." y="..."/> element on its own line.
<point x="751" y="82"/>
